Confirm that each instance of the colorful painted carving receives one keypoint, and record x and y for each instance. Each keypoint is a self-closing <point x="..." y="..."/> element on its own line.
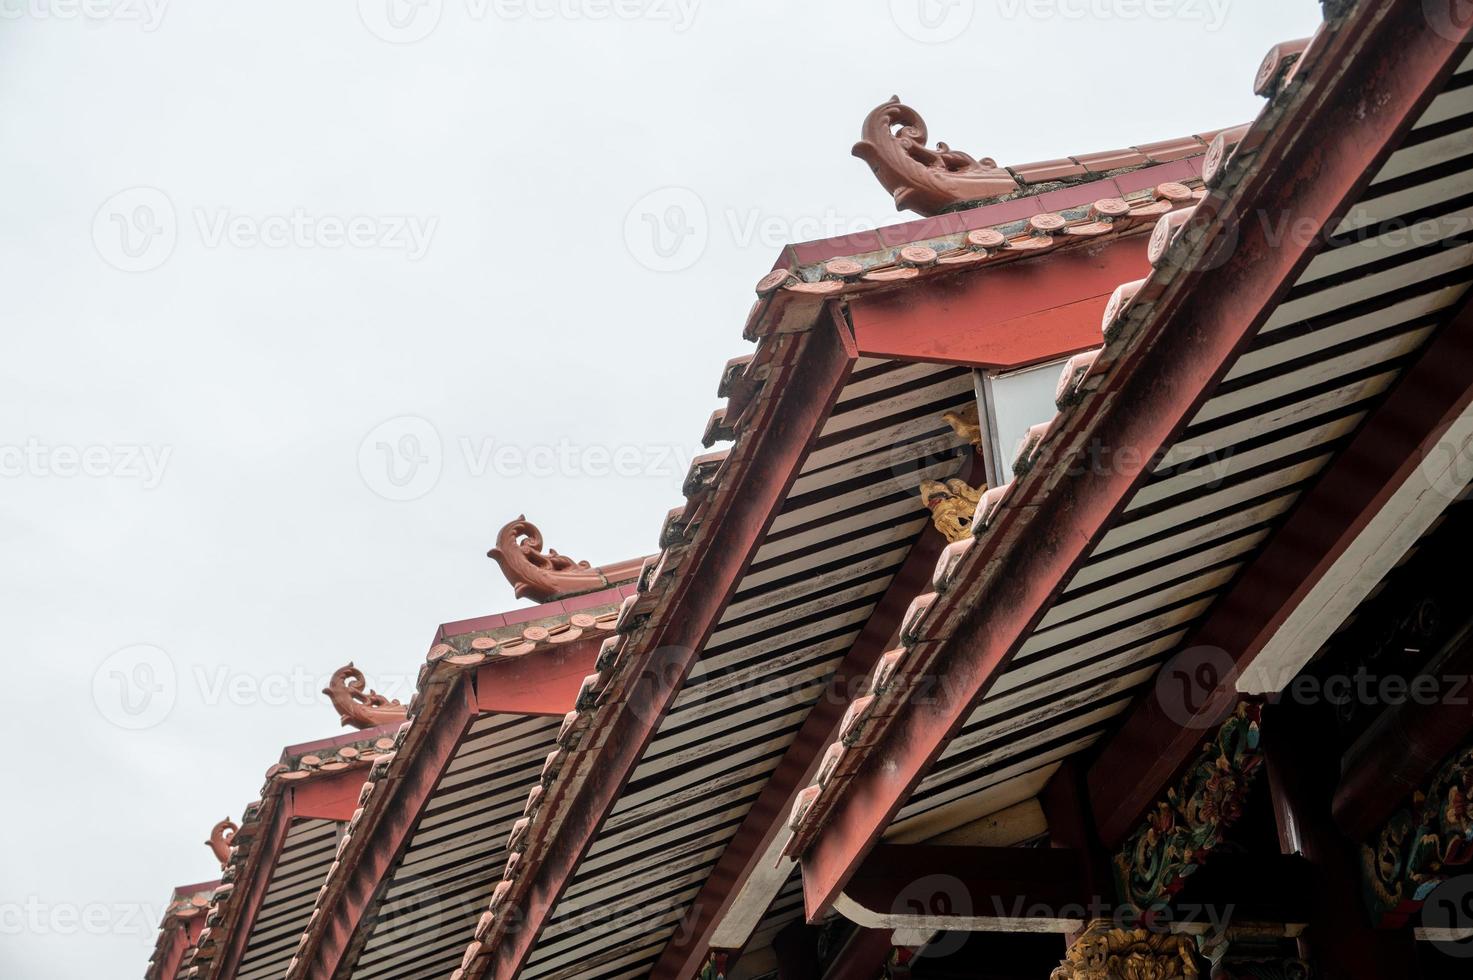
<point x="1422" y="845"/>
<point x="953" y="504"/>
<point x="1179" y="834"/>
<point x="1103" y="952"/>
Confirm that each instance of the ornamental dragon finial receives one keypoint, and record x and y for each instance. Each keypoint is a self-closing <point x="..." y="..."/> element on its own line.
<point x="219" y="843"/>
<point x="538" y="576"/>
<point x="357" y="706"/>
<point x="921" y="179"/>
<point x="953" y="505"/>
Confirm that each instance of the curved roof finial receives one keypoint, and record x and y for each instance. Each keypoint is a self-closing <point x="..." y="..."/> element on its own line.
<point x="921" y="179"/>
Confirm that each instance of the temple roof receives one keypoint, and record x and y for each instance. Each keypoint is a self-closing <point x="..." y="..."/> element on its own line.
<point x="872" y="618"/>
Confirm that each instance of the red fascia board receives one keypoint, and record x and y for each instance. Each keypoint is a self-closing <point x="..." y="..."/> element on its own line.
<point x="547" y="610"/>
<point x="986" y="216"/>
<point x="328" y="796"/>
<point x="1314" y="163"/>
<point x="543" y="683"/>
<point x="252" y="892"/>
<point x="338" y="741"/>
<point x="753" y="494"/>
<point x="1017" y="314"/>
<point x="386" y="839"/>
<point x="184" y="935"/>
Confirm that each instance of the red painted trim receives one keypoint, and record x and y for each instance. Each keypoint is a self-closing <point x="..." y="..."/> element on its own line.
<point x="753" y="495"/>
<point x="971" y="219"/>
<point x="252" y="892"/>
<point x="1153" y="745"/>
<point x="688" y="947"/>
<point x="181" y="938"/>
<point x="328" y="796"/>
<point x="345" y="910"/>
<point x="1017" y="314"/>
<point x="338" y="741"/>
<point x="543" y="683"/>
<point x="1312" y="163"/>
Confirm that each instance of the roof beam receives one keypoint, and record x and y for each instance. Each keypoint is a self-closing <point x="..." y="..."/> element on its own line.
<point x="1330" y="521"/>
<point x="253" y="892"/>
<point x="1312" y="163"/>
<point x="748" y="857"/>
<point x="935" y="888"/>
<point x="1018" y="314"/>
<point x="822" y="358"/>
<point x="346" y="910"/>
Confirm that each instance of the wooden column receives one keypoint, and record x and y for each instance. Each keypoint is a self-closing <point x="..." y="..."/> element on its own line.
<point x="1303" y="768"/>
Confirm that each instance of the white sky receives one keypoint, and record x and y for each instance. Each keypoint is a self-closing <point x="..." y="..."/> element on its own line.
<point x="185" y="453"/>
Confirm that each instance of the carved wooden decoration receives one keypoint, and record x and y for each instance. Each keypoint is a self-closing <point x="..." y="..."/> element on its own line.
<point x="966" y="424"/>
<point x="1103" y="952"/>
<point x="1182" y="831"/>
<point x="953" y="504"/>
<point x="921" y="179"/>
<point x="538" y="576"/>
<point x="220" y="837"/>
<point x="1423" y="845"/>
<point x="358" y="706"/>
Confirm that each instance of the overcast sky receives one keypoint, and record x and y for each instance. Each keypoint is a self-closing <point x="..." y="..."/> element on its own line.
<point x="304" y="300"/>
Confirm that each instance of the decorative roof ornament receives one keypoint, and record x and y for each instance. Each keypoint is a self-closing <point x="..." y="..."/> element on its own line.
<point x="220" y="837"/>
<point x="546" y="577"/>
<point x="1103" y="952"/>
<point x="921" y="179"/>
<point x="358" y="706"/>
<point x="1177" y="837"/>
<point x="952" y="505"/>
<point x="966" y="424"/>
